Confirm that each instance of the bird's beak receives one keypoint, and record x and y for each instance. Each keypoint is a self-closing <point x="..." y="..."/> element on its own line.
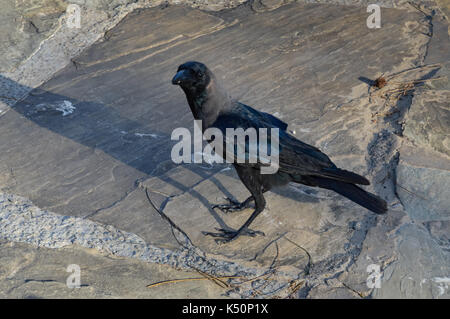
<point x="179" y="77"/>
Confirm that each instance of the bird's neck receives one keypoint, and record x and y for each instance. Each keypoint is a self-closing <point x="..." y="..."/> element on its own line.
<point x="208" y="104"/>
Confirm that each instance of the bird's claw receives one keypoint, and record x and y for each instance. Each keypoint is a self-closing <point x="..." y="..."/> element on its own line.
<point x="226" y="235"/>
<point x="233" y="206"/>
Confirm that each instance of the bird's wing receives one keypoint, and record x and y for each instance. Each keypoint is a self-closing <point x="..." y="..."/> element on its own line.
<point x="298" y="158"/>
<point x="263" y="116"/>
<point x="295" y="156"/>
<point x="243" y="119"/>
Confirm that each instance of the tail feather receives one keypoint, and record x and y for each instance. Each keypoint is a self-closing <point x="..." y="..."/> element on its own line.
<point x="354" y="193"/>
<point x="345" y="176"/>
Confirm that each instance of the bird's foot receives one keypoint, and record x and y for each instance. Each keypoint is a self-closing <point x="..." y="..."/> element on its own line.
<point x="233" y="206"/>
<point x="225" y="235"/>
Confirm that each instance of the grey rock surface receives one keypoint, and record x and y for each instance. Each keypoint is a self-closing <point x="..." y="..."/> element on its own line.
<point x="86" y="145"/>
<point x="423" y="184"/>
<point x="29" y="272"/>
<point x="24" y="25"/>
<point x="421" y="270"/>
<point x="428" y="122"/>
<point x="39" y="41"/>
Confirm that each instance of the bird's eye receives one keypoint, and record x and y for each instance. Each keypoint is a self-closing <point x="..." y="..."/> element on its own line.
<point x="200" y="74"/>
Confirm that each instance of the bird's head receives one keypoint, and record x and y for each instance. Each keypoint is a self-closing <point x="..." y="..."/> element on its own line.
<point x="192" y="76"/>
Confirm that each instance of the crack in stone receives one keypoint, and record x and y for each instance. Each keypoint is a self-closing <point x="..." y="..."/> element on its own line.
<point x="429" y="19"/>
<point x="111" y="205"/>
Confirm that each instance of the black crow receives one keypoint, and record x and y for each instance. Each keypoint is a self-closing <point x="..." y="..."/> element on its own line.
<point x="298" y="161"/>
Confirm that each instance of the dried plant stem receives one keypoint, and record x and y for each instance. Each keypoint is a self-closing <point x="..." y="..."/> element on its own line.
<point x="173" y="281"/>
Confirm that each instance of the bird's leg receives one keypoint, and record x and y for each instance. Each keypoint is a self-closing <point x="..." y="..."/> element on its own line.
<point x="250" y="180"/>
<point x="233" y="205"/>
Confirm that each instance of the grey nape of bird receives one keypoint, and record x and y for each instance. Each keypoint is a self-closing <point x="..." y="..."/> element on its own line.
<point x="298" y="161"/>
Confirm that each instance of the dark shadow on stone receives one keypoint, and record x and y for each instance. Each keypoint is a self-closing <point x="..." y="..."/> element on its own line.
<point x="100" y="127"/>
<point x="368" y="81"/>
